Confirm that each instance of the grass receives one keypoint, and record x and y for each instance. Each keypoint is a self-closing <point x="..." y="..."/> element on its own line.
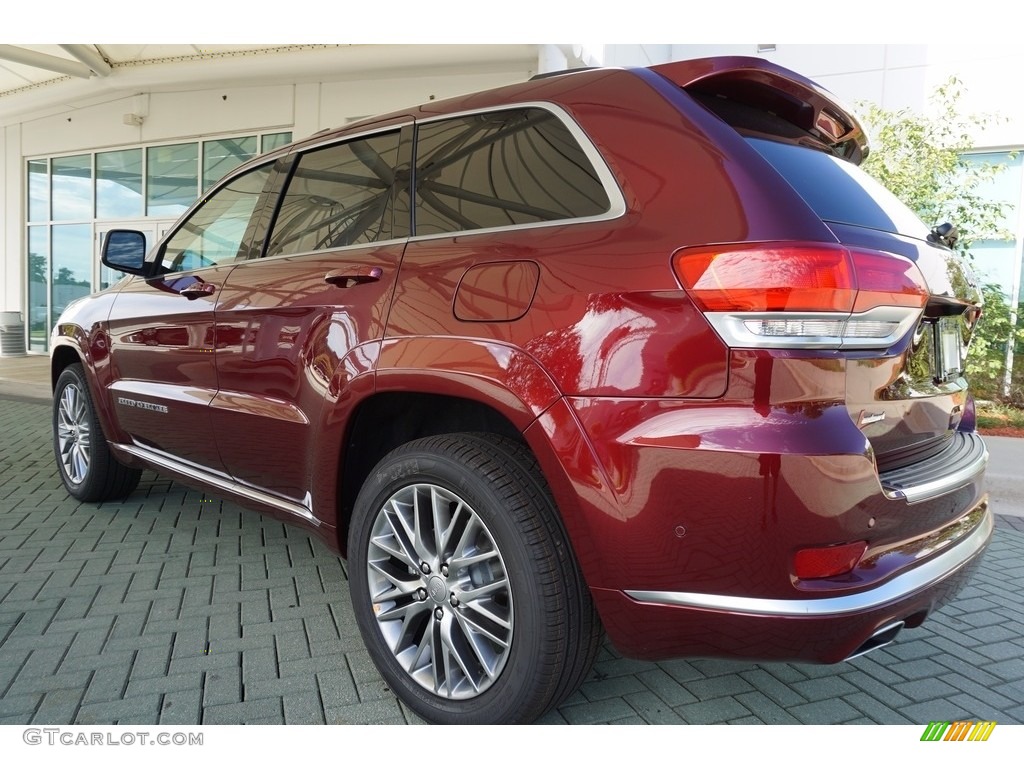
<point x="997" y="416"/>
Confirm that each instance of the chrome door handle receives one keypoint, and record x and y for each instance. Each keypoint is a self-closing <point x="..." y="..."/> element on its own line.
<point x="349" y="276"/>
<point x="196" y="290"/>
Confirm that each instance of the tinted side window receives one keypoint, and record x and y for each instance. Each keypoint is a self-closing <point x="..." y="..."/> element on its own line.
<point x="216" y="231"/>
<point x="338" y="195"/>
<point x="501" y="168"/>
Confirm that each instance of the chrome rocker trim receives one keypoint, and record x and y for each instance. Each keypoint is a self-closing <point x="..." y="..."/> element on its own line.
<point x="227" y="484"/>
<point x="900" y="587"/>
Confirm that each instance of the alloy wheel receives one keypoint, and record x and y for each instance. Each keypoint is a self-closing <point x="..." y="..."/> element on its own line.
<point x="73" y="433"/>
<point x="440" y="592"/>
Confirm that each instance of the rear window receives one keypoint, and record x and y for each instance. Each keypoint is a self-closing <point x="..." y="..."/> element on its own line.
<point x="839" y="191"/>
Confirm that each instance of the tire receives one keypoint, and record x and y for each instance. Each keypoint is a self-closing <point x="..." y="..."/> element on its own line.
<point x="479" y="613"/>
<point x="89" y="470"/>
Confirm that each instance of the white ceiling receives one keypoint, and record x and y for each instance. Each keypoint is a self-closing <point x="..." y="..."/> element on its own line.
<point x="106" y="71"/>
<point x="15" y="76"/>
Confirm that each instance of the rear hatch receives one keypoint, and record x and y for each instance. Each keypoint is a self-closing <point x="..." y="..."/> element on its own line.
<point x="907" y="395"/>
<point x="909" y="405"/>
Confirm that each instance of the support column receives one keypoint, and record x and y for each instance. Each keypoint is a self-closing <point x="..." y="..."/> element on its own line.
<point x="306" y="111"/>
<point x="550" y="58"/>
<point x="12" y="219"/>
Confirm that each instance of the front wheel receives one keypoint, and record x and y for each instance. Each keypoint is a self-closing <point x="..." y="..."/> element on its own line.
<point x="88" y="469"/>
<point x="463" y="584"/>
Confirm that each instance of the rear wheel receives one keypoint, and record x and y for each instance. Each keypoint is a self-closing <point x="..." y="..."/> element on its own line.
<point x="466" y="592"/>
<point x="89" y="470"/>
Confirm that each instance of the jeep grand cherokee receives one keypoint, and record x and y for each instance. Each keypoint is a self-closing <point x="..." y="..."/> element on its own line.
<point x="639" y="351"/>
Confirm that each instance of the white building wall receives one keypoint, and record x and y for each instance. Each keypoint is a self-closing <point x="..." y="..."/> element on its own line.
<point x="303" y="109"/>
<point x="11" y="203"/>
<point x="180" y="115"/>
<point x="343" y="101"/>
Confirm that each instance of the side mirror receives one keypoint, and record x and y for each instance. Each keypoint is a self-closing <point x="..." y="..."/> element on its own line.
<point x="125" y="251"/>
<point x="945" y="234"/>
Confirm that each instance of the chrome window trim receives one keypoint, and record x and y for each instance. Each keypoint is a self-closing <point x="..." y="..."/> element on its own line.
<point x="268" y="158"/>
<point x="515" y="227"/>
<point x="322" y="251"/>
<point x="905" y="584"/>
<point x="616" y="201"/>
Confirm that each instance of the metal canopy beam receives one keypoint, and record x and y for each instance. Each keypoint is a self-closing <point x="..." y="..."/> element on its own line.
<point x="44" y="61"/>
<point x="91" y="57"/>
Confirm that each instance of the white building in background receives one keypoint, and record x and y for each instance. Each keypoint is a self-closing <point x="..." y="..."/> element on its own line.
<point x="93" y="138"/>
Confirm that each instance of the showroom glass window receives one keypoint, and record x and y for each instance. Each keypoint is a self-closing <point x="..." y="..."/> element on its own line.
<point x="338" y="195"/>
<point x="73" y="199"/>
<point x="222" y="156"/>
<point x="498" y="169"/>
<point x="71" y="179"/>
<point x="214" y="233"/>
<point x="38" y="190"/>
<point x="172" y="179"/>
<point x="119" y="184"/>
<point x="36" y="315"/>
<point x="269" y="141"/>
<point x="38" y="308"/>
<point x="72" y="259"/>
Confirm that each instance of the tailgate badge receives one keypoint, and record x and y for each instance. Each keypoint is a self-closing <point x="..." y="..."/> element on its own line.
<point x="870" y="418"/>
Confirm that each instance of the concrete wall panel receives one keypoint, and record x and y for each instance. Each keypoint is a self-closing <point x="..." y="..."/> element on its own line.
<point x="80" y="129"/>
<point x="221" y="110"/>
<point x="181" y="114"/>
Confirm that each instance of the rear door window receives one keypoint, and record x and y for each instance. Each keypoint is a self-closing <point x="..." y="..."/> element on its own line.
<point x="838" y="191"/>
<point x="499" y="169"/>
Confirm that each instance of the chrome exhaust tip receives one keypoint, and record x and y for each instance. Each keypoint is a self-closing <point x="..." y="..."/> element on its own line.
<point x="880" y="639"/>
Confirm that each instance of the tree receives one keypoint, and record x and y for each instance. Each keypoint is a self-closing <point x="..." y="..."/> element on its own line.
<point x="36" y="268"/>
<point x="924" y="160"/>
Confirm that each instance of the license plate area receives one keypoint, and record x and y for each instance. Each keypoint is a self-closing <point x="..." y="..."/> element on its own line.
<point x="949" y="348"/>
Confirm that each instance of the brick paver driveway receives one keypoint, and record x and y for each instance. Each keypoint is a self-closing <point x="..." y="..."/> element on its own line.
<point x="178" y="608"/>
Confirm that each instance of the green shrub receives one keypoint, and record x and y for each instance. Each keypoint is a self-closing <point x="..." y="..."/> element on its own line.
<point x="923" y="160"/>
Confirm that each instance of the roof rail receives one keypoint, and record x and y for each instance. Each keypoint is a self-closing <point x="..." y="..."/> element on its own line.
<point x="544" y="75"/>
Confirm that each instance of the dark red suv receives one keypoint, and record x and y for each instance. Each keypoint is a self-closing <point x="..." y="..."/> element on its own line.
<point x="640" y="351"/>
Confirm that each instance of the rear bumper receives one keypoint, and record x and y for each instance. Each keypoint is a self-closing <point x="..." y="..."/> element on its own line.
<point x="686" y="518"/>
<point x="653" y="631"/>
<point x="656" y="625"/>
<point x="898" y="589"/>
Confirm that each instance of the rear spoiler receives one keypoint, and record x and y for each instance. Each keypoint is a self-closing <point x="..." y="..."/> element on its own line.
<point x="760" y="85"/>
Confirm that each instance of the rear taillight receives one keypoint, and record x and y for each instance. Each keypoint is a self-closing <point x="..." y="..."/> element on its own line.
<point x="803" y="294"/>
